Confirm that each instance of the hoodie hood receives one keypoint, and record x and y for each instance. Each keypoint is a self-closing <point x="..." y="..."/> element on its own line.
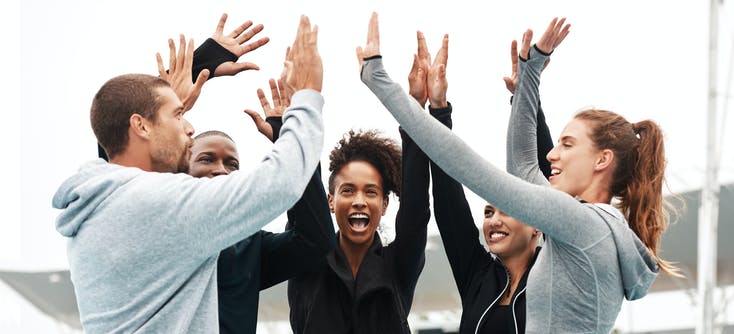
<point x="81" y="194"/>
<point x="638" y="267"/>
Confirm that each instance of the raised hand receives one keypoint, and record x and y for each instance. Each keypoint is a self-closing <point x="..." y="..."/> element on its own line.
<point x="437" y="83"/>
<point x="372" y="48"/>
<point x="281" y="101"/>
<point x="236" y="42"/>
<point x="179" y="72"/>
<point x="418" y="76"/>
<point x="553" y="36"/>
<point x="304" y="69"/>
<point x="511" y="81"/>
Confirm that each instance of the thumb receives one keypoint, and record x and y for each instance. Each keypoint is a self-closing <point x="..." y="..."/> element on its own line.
<point x="255" y="117"/>
<point x="509" y="84"/>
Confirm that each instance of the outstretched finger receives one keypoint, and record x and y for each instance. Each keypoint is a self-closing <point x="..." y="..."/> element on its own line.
<point x="527" y="37"/>
<point x="442" y="57"/>
<point x="220" y="25"/>
<point x="373" y="33"/>
<point x="171" y="56"/>
<point x="263" y="99"/>
<point x="513" y="55"/>
<point x="274" y="93"/>
<point x="181" y="52"/>
<point x="244" y="37"/>
<point x="189" y="58"/>
<point x="423" y="53"/>
<point x="285" y="95"/>
<point x="240" y="29"/>
<point x="562" y="35"/>
<point x="161" y="69"/>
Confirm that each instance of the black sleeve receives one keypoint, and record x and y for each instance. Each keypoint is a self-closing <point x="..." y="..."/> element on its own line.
<point x="459" y="234"/>
<point x="209" y="55"/>
<point x="545" y="142"/>
<point x="411" y="222"/>
<point x="309" y="234"/>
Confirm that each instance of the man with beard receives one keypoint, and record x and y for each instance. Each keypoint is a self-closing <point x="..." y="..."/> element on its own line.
<point x="143" y="237"/>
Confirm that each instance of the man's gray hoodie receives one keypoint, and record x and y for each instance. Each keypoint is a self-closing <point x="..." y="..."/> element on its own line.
<point x="143" y="246"/>
<point x="591" y="258"/>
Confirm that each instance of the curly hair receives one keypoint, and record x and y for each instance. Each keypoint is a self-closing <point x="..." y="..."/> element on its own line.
<point x="385" y="154"/>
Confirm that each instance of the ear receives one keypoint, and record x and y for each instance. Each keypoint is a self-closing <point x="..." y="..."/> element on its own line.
<point x="331" y="202"/>
<point x="604" y="160"/>
<point x="139" y="126"/>
<point x="385" y="202"/>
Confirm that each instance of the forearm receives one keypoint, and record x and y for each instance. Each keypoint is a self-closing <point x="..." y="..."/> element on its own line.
<point x="541" y="207"/>
<point x="411" y="221"/>
<point x="310" y="236"/>
<point x="522" y="131"/>
<point x="244" y="203"/>
<point x="459" y="234"/>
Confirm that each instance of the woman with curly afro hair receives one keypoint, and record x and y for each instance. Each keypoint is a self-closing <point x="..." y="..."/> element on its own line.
<point x="364" y="286"/>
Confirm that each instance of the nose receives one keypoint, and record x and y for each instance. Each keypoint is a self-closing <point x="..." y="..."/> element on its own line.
<point x="553" y="154"/>
<point x="358" y="201"/>
<point x="188" y="128"/>
<point x="219" y="170"/>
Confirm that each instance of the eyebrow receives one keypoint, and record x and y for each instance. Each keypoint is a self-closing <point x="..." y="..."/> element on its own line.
<point x="566" y="137"/>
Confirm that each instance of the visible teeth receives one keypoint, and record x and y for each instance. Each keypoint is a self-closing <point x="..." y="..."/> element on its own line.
<point x="555" y="171"/>
<point x="359" y="220"/>
<point x="498" y="235"/>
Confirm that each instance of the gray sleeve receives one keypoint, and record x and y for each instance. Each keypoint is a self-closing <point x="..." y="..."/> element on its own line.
<point x="522" y="146"/>
<point x="553" y="212"/>
<point x="212" y="214"/>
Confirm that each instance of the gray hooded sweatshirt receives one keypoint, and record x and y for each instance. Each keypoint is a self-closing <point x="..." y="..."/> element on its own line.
<point x="591" y="258"/>
<point x="143" y="246"/>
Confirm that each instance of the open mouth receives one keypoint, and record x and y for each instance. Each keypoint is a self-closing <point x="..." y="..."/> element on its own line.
<point x="554" y="172"/>
<point x="359" y="221"/>
<point x="496" y="236"/>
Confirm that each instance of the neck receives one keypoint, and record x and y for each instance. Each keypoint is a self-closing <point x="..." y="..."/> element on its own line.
<point x="354" y="252"/>
<point x="598" y="191"/>
<point x="517" y="266"/>
<point x="133" y="160"/>
<point x="596" y="196"/>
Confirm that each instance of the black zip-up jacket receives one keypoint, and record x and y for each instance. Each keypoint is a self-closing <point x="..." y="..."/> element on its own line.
<point x="481" y="278"/>
<point x="329" y="300"/>
<point x="266" y="259"/>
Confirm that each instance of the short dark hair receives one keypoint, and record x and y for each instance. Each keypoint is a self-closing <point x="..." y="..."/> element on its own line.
<point x="116" y="101"/>
<point x="213" y="133"/>
<point x="383" y="153"/>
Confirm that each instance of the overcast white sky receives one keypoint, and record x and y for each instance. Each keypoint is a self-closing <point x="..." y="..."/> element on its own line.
<point x="642" y="59"/>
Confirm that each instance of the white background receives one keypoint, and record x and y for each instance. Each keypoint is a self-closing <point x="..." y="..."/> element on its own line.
<point x="642" y="59"/>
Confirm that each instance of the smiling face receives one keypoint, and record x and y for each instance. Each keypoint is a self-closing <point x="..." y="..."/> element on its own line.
<point x="358" y="203"/>
<point x="212" y="156"/>
<point x="170" y="135"/>
<point x="506" y="236"/>
<point x="574" y="159"/>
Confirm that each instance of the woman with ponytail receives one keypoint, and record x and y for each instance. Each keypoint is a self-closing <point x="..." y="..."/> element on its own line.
<point x="594" y="254"/>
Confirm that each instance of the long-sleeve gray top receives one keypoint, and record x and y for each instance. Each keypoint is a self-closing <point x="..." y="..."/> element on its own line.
<point x="143" y="246"/>
<point x="577" y="284"/>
